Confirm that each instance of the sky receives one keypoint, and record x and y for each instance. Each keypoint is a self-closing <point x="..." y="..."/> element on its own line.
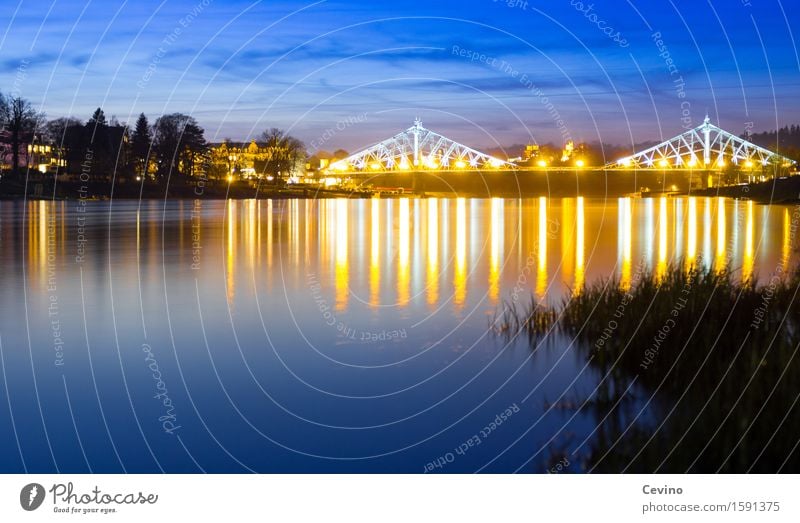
<point x="346" y="74"/>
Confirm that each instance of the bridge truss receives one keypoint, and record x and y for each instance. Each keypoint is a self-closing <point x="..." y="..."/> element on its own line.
<point x="704" y="147"/>
<point x="417" y="148"/>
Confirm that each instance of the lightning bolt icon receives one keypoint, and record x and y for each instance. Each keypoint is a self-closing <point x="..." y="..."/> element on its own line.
<point x="32" y="495"/>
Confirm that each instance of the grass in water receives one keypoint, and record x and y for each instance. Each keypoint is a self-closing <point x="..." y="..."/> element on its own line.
<point x="716" y="357"/>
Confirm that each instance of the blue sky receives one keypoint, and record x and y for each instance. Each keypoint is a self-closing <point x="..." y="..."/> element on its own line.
<point x="542" y="70"/>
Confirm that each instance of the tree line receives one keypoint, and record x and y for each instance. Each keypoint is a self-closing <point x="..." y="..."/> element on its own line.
<point x="785" y="141"/>
<point x="173" y="146"/>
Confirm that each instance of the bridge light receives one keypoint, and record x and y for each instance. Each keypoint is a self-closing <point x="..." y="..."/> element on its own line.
<point x="541" y="163"/>
<point x="580" y="163"/>
<point x="230" y="178"/>
<point x="460" y="164"/>
<point x="748" y="164"/>
<point x="375" y="166"/>
<point x="404" y="164"/>
<point x="494" y="162"/>
<point x="663" y="163"/>
<point x="721" y="162"/>
<point x="692" y="162"/>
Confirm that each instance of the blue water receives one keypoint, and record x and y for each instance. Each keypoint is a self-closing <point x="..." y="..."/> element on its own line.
<point x="314" y="336"/>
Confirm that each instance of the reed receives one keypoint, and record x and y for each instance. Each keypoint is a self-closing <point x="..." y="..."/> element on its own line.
<point x="717" y="358"/>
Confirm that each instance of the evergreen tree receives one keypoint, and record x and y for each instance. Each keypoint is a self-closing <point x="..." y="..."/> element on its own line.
<point x="140" y="145"/>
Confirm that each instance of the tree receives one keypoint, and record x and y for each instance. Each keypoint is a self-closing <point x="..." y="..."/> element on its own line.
<point x="178" y="143"/>
<point x="98" y="118"/>
<point x="140" y="145"/>
<point x="21" y="121"/>
<point x="284" y="154"/>
<point x="97" y="144"/>
<point x="193" y="145"/>
<point x="3" y="111"/>
<point x="56" y="130"/>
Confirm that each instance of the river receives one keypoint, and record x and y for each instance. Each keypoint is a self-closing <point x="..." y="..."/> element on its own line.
<point x="322" y="335"/>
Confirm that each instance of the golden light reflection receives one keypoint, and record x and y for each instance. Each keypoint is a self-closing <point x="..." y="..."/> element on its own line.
<point x="496" y="231"/>
<point x="747" y="263"/>
<point x="258" y="233"/>
<point x="251" y="246"/>
<point x="295" y="229"/>
<point x="568" y="236"/>
<point x="721" y="261"/>
<point x="706" y="231"/>
<point x="307" y="204"/>
<point x="341" y="267"/>
<point x="43" y="216"/>
<point x="269" y="233"/>
<point x="691" y="232"/>
<point x="661" y="268"/>
<point x="374" y="256"/>
<point x="460" y="274"/>
<point x="541" y="270"/>
<point x="433" y="251"/>
<point x="580" y="275"/>
<point x="626" y="239"/>
<point x="786" y="244"/>
<point x="139" y="235"/>
<point x="229" y="253"/>
<point x="403" y="267"/>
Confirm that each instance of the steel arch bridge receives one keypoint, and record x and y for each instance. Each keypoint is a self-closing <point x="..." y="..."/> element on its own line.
<point x="704" y="147"/>
<point x="417" y="149"/>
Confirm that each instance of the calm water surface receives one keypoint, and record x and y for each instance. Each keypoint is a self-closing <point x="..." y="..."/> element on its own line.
<point x="320" y="335"/>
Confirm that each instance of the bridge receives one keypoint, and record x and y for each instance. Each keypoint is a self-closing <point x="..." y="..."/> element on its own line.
<point x="705" y="147"/>
<point x="417" y="149"/>
<point x="420" y="150"/>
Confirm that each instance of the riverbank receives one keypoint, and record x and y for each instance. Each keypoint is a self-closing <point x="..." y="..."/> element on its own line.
<point x="179" y="190"/>
<point x="711" y="359"/>
<point x="777" y="190"/>
<point x="468" y="184"/>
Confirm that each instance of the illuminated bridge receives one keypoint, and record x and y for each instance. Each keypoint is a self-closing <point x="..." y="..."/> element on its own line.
<point x="417" y="149"/>
<point x="704" y="147"/>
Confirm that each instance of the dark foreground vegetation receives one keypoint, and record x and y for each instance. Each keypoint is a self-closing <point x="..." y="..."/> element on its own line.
<point x="700" y="372"/>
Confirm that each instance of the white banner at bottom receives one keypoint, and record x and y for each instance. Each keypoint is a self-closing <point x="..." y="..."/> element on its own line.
<point x="400" y="498"/>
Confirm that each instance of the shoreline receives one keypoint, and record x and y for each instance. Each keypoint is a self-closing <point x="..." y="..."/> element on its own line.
<point x="589" y="184"/>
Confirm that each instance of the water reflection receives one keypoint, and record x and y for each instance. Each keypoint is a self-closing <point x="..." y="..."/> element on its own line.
<point x="721" y="227"/>
<point x="579" y="242"/>
<point x="625" y="240"/>
<point x="435" y="251"/>
<point x="341" y="246"/>
<point x="497" y="221"/>
<point x="339" y="272"/>
<point x="460" y="278"/>
<point x="541" y="272"/>
<point x="691" y="246"/>
<point x="662" y="238"/>
<point x="747" y="266"/>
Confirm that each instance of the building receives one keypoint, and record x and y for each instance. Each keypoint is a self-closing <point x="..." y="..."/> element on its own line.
<point x="249" y="161"/>
<point x="34" y="154"/>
